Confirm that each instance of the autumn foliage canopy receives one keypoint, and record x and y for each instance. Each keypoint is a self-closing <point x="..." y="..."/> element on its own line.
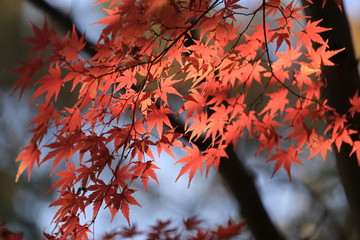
<point x="152" y="84"/>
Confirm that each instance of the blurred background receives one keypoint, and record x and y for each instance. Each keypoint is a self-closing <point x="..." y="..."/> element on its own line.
<point x="312" y="206"/>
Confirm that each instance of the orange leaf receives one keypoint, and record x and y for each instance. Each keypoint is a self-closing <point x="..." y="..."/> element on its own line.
<point x="28" y="157"/>
<point x="49" y="84"/>
<point x="356" y="149"/>
<point x="284" y="158"/>
<point x="355" y="104"/>
<point x="277" y="102"/>
<point x="311" y="34"/>
<point x="159" y="117"/>
<point x="193" y="161"/>
<point x="68" y="177"/>
<point x="320" y="145"/>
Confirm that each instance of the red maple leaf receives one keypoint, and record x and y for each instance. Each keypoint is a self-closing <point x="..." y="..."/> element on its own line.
<point x="130" y="232"/>
<point x="193" y="161"/>
<point x="168" y="141"/>
<point x="318" y="144"/>
<point x="213" y="156"/>
<point x="49" y="84"/>
<point x="68" y="177"/>
<point x="311" y="34"/>
<point x="284" y="158"/>
<point x="356" y="149"/>
<point x="72" y="121"/>
<point x="192" y="223"/>
<point x="166" y="87"/>
<point x="144" y="171"/>
<point x="230" y="230"/>
<point x="198" y="127"/>
<point x="27" y="71"/>
<point x="63" y="149"/>
<point x="159" y="117"/>
<point x="122" y="201"/>
<point x="42" y="36"/>
<point x="321" y="56"/>
<point x="277" y="102"/>
<point x="28" y="158"/>
<point x="73" y="46"/>
<point x="355" y="104"/>
<point x="343" y="136"/>
<point x="265" y="131"/>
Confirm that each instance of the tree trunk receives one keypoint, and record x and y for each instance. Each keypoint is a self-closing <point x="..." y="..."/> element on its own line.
<point x="342" y="82"/>
<point x="241" y="183"/>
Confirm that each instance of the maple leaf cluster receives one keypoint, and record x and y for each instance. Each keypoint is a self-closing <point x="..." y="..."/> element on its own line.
<point x="260" y="81"/>
<point x="189" y="229"/>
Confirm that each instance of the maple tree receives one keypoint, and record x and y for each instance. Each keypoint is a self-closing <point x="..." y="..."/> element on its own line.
<point x="259" y="81"/>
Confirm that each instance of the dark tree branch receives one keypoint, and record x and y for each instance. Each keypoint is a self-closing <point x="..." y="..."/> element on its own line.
<point x="234" y="172"/>
<point x="241" y="182"/>
<point x="342" y="82"/>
